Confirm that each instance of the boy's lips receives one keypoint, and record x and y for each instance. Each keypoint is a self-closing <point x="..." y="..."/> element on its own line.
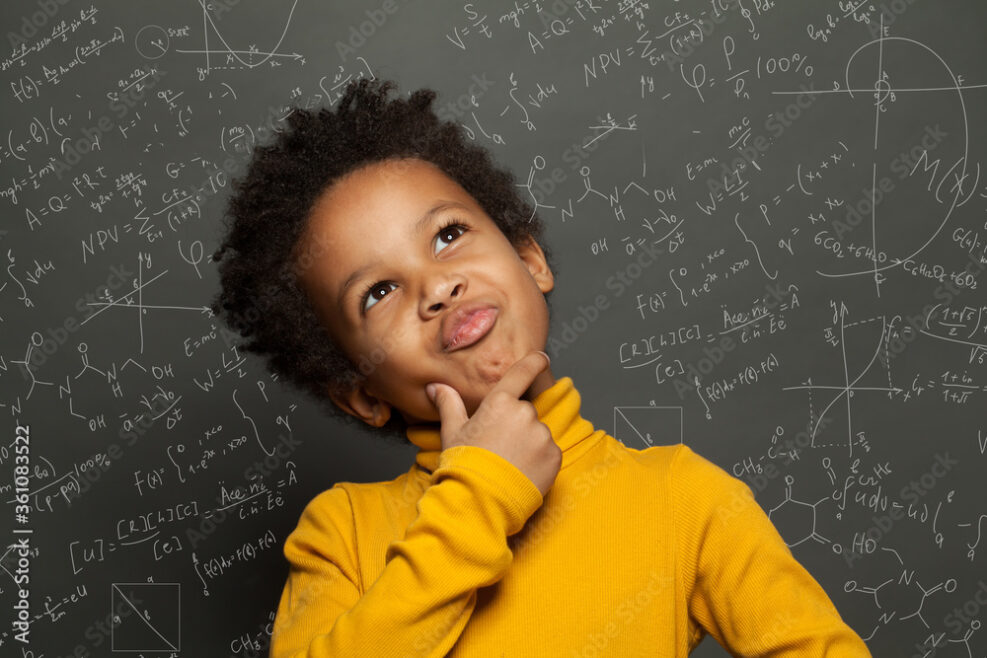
<point x="461" y="327"/>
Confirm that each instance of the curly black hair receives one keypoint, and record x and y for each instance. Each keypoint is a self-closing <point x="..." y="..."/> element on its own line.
<point x="261" y="297"/>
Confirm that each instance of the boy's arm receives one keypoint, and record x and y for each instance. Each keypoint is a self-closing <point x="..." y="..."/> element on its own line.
<point x="423" y="598"/>
<point x="742" y="583"/>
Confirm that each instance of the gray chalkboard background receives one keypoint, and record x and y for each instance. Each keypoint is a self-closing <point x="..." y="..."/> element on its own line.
<point x="810" y="174"/>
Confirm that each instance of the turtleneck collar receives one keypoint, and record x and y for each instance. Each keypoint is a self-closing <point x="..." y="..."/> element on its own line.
<point x="558" y="407"/>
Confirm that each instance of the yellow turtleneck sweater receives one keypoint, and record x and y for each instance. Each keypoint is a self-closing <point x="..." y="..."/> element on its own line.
<point x="630" y="553"/>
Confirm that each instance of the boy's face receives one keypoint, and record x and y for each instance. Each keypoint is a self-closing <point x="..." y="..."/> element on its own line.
<point x="420" y="276"/>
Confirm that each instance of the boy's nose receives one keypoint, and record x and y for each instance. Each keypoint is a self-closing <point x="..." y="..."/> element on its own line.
<point x="442" y="290"/>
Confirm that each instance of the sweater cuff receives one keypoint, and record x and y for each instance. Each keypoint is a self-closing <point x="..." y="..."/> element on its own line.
<point x="503" y="479"/>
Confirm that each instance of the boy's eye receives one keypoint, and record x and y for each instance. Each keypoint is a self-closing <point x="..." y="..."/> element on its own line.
<point x="448" y="229"/>
<point x="451" y="228"/>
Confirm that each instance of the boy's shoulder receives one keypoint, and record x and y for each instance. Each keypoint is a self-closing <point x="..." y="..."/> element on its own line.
<point x="661" y="457"/>
<point x="678" y="462"/>
<point x="344" y="497"/>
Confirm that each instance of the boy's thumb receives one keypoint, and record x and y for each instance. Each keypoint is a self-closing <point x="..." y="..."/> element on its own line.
<point x="431" y="390"/>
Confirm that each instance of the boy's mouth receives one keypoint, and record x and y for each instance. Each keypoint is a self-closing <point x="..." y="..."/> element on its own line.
<point x="467" y="324"/>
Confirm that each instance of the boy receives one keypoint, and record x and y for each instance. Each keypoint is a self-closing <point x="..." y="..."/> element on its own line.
<point x="385" y="263"/>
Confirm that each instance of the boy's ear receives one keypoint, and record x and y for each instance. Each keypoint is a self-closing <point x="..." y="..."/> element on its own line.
<point x="362" y="405"/>
<point x="533" y="256"/>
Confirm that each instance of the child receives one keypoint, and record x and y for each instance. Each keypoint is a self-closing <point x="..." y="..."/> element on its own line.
<point x="375" y="252"/>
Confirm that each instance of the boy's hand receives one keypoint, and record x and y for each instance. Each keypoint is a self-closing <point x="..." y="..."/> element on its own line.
<point x="504" y="423"/>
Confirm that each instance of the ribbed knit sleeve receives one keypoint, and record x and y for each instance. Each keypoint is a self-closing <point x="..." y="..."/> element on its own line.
<point x="742" y="583"/>
<point x="422" y="600"/>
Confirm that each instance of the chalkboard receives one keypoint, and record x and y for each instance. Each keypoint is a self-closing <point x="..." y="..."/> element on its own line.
<point x="769" y="225"/>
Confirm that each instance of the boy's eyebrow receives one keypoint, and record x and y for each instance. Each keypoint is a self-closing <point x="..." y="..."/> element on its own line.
<point x="416" y="231"/>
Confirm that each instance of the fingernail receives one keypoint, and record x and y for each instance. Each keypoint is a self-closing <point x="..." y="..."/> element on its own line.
<point x="546" y="356"/>
<point x="430" y="391"/>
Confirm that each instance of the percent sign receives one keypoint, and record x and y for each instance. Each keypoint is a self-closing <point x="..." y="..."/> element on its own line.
<point x="797" y="57"/>
<point x="784" y="64"/>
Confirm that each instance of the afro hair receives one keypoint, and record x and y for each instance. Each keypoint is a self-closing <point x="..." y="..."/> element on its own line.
<point x="260" y="296"/>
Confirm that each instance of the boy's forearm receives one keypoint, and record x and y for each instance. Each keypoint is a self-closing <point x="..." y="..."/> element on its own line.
<point x="421" y="601"/>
